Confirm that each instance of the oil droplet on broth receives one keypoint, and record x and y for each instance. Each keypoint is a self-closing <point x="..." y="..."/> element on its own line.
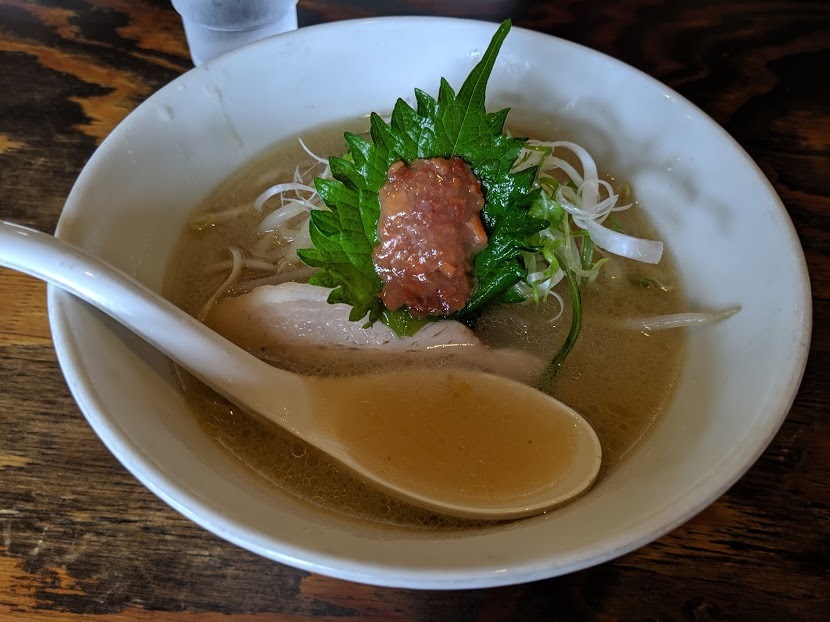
<point x="442" y="437"/>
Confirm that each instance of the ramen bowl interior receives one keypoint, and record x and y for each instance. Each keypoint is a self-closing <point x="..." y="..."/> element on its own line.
<point x="711" y="205"/>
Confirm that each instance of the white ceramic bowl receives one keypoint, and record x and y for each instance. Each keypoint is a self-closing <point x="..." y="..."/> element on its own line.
<point x="712" y="206"/>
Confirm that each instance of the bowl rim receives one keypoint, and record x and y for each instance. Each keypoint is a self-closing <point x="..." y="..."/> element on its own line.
<point x="388" y="574"/>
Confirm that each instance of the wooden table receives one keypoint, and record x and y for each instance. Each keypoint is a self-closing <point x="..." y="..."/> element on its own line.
<point x="83" y="540"/>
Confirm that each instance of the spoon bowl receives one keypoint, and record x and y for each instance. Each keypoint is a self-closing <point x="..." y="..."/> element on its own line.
<point x="460" y="442"/>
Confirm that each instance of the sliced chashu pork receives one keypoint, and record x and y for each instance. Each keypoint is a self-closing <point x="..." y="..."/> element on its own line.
<point x="293" y="325"/>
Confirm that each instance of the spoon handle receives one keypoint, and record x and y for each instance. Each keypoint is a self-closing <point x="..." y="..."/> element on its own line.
<point x="220" y="364"/>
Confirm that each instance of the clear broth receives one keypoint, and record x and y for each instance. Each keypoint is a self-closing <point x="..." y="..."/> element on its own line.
<point x="619" y="380"/>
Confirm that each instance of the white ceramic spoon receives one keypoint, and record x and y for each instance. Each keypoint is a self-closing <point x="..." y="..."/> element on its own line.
<point x="460" y="442"/>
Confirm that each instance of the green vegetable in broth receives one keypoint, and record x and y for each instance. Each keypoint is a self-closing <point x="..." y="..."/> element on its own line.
<point x="452" y="125"/>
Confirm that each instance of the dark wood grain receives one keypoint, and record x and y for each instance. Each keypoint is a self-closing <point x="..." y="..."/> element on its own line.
<point x="80" y="539"/>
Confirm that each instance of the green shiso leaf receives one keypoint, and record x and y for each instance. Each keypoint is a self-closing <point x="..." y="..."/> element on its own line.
<point x="451" y="125"/>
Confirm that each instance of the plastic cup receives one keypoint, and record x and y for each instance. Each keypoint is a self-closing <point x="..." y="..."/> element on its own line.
<point x="213" y="27"/>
